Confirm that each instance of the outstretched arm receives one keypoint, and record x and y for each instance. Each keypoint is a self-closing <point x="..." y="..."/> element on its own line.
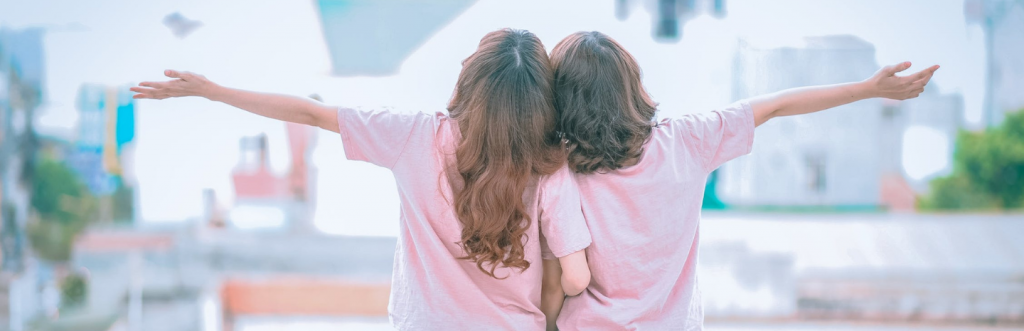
<point x="277" y="106"/>
<point x="804" y="100"/>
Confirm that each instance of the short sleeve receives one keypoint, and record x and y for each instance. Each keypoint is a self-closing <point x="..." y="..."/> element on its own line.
<point x="563" y="229"/>
<point x="720" y="135"/>
<point x="378" y="136"/>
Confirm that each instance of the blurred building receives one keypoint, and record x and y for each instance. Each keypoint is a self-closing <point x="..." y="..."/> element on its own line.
<point x="21" y="93"/>
<point x="932" y="270"/>
<point x="22" y="73"/>
<point x="849" y="157"/>
<point x="96" y="155"/>
<point x="102" y="154"/>
<point x="1003" y="22"/>
<point x="670" y="15"/>
<point x="389" y="31"/>
<point x="918" y="138"/>
<point x="266" y="200"/>
<point x="185" y="278"/>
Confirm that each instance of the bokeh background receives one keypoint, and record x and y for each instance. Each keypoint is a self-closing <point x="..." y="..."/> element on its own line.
<point x="185" y="214"/>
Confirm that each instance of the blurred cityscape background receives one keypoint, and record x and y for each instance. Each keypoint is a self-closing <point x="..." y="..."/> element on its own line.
<point x="189" y="215"/>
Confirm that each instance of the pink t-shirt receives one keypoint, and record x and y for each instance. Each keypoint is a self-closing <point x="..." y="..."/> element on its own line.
<point x="432" y="288"/>
<point x="644" y="221"/>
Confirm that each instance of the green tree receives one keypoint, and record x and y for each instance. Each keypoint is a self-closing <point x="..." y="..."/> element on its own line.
<point x="63" y="207"/>
<point x="988" y="170"/>
<point x="54" y="186"/>
<point x="74" y="291"/>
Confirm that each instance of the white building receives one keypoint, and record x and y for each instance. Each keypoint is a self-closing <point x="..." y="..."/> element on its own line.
<point x="1003" y="22"/>
<point x="841" y="158"/>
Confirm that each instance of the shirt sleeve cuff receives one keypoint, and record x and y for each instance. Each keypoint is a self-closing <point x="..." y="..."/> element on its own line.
<point x="749" y="125"/>
<point x="351" y="152"/>
<point x="571" y="247"/>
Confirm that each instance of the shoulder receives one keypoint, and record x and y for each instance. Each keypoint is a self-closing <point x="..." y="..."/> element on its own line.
<point x="392" y="114"/>
<point x="558" y="181"/>
<point x="699" y="123"/>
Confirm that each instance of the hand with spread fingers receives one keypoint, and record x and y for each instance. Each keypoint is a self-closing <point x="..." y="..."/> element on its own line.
<point x="886" y="84"/>
<point x="184" y="84"/>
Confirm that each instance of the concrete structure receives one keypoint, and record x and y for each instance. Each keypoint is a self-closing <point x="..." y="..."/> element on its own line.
<point x="670" y="15"/>
<point x="878" y="268"/>
<point x="846" y="157"/>
<point x="22" y="72"/>
<point x="106" y="124"/>
<point x="390" y="31"/>
<point x="866" y="267"/>
<point x="1003" y="22"/>
<point x="826" y="158"/>
<point x="21" y="92"/>
<point x="197" y="278"/>
<point x="265" y="200"/>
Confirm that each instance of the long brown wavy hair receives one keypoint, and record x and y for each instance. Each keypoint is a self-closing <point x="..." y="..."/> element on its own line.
<point x="503" y="107"/>
<point x="603" y="109"/>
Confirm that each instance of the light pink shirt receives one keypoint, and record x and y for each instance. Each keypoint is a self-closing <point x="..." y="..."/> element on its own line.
<point x="644" y="220"/>
<point x="431" y="288"/>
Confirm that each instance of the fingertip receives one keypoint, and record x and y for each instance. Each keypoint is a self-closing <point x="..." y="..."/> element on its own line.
<point x="898" y="67"/>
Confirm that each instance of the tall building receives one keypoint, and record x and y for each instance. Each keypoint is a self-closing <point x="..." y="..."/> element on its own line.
<point x="846" y="157"/>
<point x="106" y="126"/>
<point x="1003" y="22"/>
<point x="21" y="92"/>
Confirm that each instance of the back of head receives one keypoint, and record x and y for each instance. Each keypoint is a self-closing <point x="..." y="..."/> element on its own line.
<point x="503" y="106"/>
<point x="603" y="109"/>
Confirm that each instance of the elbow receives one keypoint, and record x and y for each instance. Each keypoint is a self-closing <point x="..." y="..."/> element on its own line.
<point x="760" y="117"/>
<point x="323" y="118"/>
<point x="324" y="124"/>
<point x="574" y="284"/>
<point x="315" y="117"/>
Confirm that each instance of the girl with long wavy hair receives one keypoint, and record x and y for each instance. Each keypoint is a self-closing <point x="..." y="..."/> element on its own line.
<point x="642" y="181"/>
<point x="484" y="188"/>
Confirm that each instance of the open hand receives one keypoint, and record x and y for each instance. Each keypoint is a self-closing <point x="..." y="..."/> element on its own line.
<point x="184" y="84"/>
<point x="886" y="84"/>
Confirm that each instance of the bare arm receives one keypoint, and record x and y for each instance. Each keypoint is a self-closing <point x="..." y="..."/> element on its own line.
<point x="804" y="100"/>
<point x="551" y="296"/>
<point x="569" y="275"/>
<point x="575" y="273"/>
<point x="277" y="106"/>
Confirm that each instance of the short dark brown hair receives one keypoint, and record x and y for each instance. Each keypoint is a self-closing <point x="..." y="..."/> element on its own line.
<point x="604" y="112"/>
